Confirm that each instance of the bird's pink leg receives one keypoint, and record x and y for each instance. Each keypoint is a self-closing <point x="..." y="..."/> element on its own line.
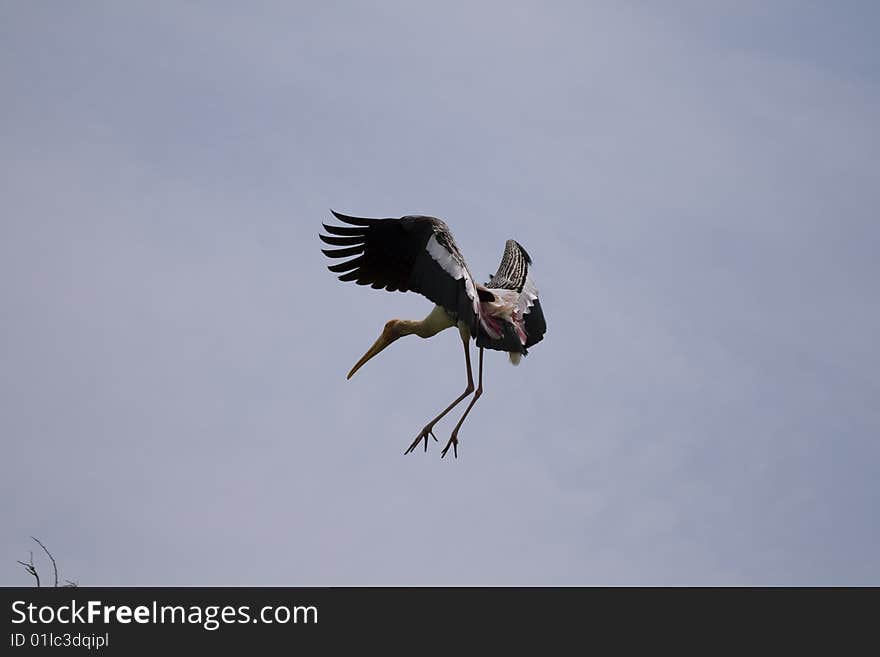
<point x="428" y="430"/>
<point x="453" y="440"/>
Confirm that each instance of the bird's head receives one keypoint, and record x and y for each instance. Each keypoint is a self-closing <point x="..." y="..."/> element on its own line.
<point x="394" y="328"/>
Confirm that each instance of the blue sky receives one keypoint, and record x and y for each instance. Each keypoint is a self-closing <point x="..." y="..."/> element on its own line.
<point x="697" y="184"/>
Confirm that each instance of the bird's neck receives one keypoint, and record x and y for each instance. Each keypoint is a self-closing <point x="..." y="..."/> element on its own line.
<point x="436" y="321"/>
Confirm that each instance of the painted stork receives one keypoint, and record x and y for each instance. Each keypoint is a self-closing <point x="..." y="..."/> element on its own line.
<point x="418" y="253"/>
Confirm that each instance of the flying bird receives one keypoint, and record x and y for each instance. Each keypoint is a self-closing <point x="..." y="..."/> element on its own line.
<point x="418" y="253"/>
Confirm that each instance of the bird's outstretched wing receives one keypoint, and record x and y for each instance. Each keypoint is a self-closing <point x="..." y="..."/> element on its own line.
<point x="514" y="273"/>
<point x="412" y="253"/>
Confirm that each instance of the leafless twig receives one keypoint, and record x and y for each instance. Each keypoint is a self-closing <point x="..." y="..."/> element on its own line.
<point x="51" y="558"/>
<point x="31" y="569"/>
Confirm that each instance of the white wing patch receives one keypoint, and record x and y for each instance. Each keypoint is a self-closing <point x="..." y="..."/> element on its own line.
<point x="528" y="295"/>
<point x="454" y="268"/>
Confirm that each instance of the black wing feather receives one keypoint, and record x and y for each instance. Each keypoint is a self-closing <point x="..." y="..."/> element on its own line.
<point x="392" y="255"/>
<point x="343" y="253"/>
<point x="536" y="325"/>
<point x="513" y="274"/>
<point x="343" y="230"/>
<point x="341" y="241"/>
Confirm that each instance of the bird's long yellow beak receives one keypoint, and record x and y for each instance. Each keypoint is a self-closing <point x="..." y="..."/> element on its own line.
<point x="388" y="336"/>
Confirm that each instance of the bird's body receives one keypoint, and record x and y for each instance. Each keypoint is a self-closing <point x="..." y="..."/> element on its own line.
<point x="418" y="253"/>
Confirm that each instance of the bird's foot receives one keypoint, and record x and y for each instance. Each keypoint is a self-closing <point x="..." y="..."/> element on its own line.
<point x="453" y="442"/>
<point x="423" y="435"/>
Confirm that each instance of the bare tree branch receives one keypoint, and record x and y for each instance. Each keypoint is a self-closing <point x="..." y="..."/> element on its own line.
<point x="31" y="569"/>
<point x="51" y="558"/>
